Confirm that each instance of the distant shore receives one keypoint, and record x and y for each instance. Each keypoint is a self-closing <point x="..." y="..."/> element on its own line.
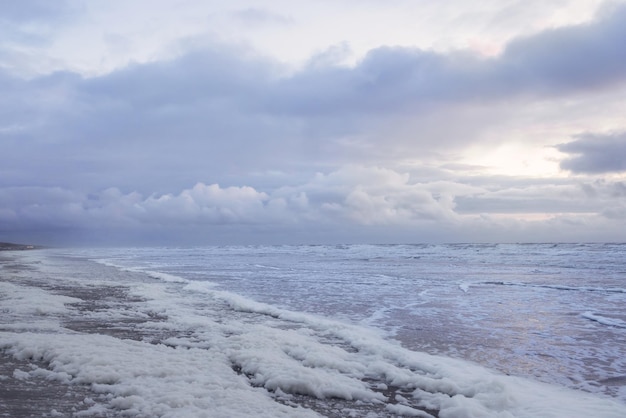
<point x="7" y="246"/>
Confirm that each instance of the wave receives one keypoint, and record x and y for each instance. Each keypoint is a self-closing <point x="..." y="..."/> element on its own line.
<point x="166" y="277"/>
<point x="555" y="286"/>
<point x="263" y="266"/>
<point x="159" y="275"/>
<point x="611" y="322"/>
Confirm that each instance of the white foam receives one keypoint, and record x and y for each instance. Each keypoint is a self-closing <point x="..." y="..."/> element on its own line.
<point x="29" y="302"/>
<point x="143" y="379"/>
<point x="407" y="411"/>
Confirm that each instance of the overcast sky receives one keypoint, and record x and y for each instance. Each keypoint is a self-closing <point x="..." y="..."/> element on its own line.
<point x="300" y="121"/>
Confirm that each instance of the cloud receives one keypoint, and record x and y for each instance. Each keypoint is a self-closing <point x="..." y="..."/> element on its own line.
<point x="371" y="202"/>
<point x="375" y="196"/>
<point x="595" y="153"/>
<point x="357" y="195"/>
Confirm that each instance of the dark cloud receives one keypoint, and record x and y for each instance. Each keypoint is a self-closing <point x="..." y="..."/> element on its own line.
<point x="159" y="126"/>
<point x="567" y="58"/>
<point x="595" y="153"/>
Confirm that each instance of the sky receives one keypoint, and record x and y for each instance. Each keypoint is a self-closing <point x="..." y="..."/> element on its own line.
<point x="187" y="122"/>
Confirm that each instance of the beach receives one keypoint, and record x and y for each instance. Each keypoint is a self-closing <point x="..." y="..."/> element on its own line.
<point x="80" y="338"/>
<point x="31" y="395"/>
<point x="29" y="391"/>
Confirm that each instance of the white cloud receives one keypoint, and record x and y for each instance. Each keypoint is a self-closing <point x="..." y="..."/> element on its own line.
<point x="208" y="204"/>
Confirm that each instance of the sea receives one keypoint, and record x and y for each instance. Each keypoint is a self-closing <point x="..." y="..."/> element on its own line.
<point x="458" y="330"/>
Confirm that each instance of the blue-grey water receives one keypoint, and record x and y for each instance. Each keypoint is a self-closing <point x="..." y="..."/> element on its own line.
<point x="552" y="312"/>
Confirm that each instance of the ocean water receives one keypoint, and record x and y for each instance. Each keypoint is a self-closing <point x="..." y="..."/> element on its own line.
<point x="466" y="330"/>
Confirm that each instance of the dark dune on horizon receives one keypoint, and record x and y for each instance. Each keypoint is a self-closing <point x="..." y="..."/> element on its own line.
<point x="9" y="246"/>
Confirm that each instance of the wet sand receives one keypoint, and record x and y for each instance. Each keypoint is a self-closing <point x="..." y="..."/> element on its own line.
<point x="25" y="396"/>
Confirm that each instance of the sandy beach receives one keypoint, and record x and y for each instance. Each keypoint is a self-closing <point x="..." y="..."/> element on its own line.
<point x="24" y="394"/>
